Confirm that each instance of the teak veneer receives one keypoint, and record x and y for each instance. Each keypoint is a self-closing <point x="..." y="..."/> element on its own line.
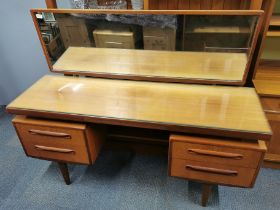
<point x="204" y="110"/>
<point x="153" y="65"/>
<point x="269" y="92"/>
<point x="211" y="110"/>
<point x="268" y="73"/>
<point x="215" y="161"/>
<point x="275" y="20"/>
<point x="61" y="141"/>
<point x="267" y="87"/>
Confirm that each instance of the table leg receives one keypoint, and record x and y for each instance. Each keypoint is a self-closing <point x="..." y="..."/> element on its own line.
<point x="64" y="171"/>
<point x="206" y="191"/>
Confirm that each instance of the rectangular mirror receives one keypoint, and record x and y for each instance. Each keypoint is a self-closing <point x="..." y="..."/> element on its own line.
<point x="206" y="47"/>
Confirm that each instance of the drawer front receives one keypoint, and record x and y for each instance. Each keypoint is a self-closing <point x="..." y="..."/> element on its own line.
<point x="119" y="45"/>
<point x="156" y="43"/>
<point x="112" y="38"/>
<point x="155" y="31"/>
<point x="64" y="144"/>
<point x="216" y="154"/>
<point x="115" y="41"/>
<point x="213" y="173"/>
<point x="271" y="104"/>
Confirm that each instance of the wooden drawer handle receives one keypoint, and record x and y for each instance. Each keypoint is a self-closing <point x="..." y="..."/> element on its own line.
<point x="216" y="153"/>
<point x="117" y="43"/>
<point x="212" y="170"/>
<point x="224" y="48"/>
<point x="49" y="133"/>
<point x="53" y="149"/>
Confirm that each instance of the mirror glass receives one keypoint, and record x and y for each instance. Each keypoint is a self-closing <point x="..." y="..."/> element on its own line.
<point x="178" y="48"/>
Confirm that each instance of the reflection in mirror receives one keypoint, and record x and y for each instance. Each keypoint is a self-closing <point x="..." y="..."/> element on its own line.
<point x="190" y="47"/>
<point x="65" y="4"/>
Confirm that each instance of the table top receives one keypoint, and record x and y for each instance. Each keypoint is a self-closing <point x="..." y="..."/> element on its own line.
<point x="151" y="64"/>
<point x="201" y="109"/>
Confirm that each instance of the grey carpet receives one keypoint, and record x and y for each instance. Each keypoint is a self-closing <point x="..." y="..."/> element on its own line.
<point x="118" y="180"/>
<point x="264" y="195"/>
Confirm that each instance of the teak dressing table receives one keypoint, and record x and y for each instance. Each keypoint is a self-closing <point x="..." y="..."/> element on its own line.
<point x="214" y="134"/>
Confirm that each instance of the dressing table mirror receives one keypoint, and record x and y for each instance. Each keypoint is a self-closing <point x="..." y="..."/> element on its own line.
<point x="205" y="47"/>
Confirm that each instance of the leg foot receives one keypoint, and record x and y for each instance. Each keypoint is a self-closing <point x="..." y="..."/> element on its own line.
<point x="206" y="191"/>
<point x="64" y="171"/>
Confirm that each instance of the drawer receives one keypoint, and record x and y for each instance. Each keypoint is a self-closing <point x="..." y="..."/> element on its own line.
<point x="156" y="43"/>
<point x="271" y="104"/>
<point x="114" y="39"/>
<point x="62" y="141"/>
<point x="215" y="150"/>
<point x="58" y="152"/>
<point x="119" y="45"/>
<point x="156" y="38"/>
<point x="157" y="31"/>
<point x="213" y="173"/>
<point x="216" y="154"/>
<point x="124" y="42"/>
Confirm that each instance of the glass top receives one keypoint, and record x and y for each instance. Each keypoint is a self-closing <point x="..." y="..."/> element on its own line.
<point x="176" y="46"/>
<point x="201" y="109"/>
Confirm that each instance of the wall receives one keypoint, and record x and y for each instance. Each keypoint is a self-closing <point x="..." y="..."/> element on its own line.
<point x="21" y="57"/>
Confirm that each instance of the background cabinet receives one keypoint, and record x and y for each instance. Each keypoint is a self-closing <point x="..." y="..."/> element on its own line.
<point x="73" y="31"/>
<point x="215" y="34"/>
<point x="272" y="157"/>
<point x="267" y="81"/>
<point x="203" y="4"/>
<point x="274" y="144"/>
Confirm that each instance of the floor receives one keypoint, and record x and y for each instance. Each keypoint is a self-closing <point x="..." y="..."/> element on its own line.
<point x="118" y="180"/>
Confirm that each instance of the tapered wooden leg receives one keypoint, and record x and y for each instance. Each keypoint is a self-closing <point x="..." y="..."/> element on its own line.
<point x="206" y="191"/>
<point x="64" y="171"/>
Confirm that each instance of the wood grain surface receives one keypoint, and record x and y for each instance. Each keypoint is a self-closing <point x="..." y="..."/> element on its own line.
<point x="267" y="87"/>
<point x="150" y="63"/>
<point x="212" y="110"/>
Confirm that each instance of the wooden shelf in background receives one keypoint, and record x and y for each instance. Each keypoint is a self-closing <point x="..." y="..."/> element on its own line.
<point x="275" y="20"/>
<point x="220" y="29"/>
<point x="267" y="79"/>
<point x="268" y="164"/>
<point x="267" y="87"/>
<point x="268" y="72"/>
<point x="271" y="161"/>
<point x="272" y="158"/>
<point x="273" y="34"/>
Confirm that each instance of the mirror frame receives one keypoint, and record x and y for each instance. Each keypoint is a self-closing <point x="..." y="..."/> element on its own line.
<point x="258" y="13"/>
